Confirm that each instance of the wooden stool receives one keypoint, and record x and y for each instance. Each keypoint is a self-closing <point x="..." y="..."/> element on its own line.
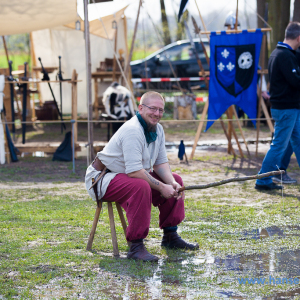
<point x="112" y="226"/>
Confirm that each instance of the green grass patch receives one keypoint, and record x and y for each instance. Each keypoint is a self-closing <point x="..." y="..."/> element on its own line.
<point x="44" y="232"/>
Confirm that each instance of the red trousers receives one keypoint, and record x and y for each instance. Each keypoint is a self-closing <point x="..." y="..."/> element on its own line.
<point x="136" y="196"/>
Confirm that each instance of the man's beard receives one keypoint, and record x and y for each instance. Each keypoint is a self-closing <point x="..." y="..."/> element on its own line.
<point x="151" y="128"/>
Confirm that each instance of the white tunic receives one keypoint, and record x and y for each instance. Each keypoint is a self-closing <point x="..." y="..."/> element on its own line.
<point x="127" y="152"/>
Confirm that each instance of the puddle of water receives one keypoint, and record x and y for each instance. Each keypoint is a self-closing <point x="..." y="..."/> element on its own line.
<point x="169" y="277"/>
<point x="34" y="154"/>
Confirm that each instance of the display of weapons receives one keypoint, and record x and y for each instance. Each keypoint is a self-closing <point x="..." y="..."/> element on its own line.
<point x="60" y="78"/>
<point x="12" y="149"/>
<point x="197" y="31"/>
<point x="11" y="86"/>
<point x="24" y="103"/>
<point x="196" y="54"/>
<point x="47" y="78"/>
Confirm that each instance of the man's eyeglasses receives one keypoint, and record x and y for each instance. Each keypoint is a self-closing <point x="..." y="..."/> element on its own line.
<point x="154" y="109"/>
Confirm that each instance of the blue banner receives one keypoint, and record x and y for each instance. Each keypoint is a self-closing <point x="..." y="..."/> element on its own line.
<point x="233" y="73"/>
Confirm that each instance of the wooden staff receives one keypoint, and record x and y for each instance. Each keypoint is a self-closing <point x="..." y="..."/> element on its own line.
<point x="263" y="45"/>
<point x="207" y="34"/>
<point x="236" y="15"/>
<point x="197" y="31"/>
<point x="212" y="184"/>
<point x="126" y="70"/>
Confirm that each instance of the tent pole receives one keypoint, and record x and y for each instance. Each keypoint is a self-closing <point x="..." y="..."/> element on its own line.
<point x="202" y="20"/>
<point x="263" y="45"/>
<point x="90" y="154"/>
<point x="126" y="71"/>
<point x="236" y="15"/>
<point x="5" y="48"/>
<point x="115" y="58"/>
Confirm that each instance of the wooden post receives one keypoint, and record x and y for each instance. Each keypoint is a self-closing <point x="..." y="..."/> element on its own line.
<point x="233" y="132"/>
<point x="231" y="150"/>
<point x="123" y="221"/>
<point x="94" y="227"/>
<point x="133" y="40"/>
<point x="266" y="113"/>
<point x="197" y="30"/>
<point x="115" y="58"/>
<point x="7" y="153"/>
<point x="259" y="94"/>
<point x="202" y="20"/>
<point x="236" y="15"/>
<point x="113" y="229"/>
<point x="32" y="54"/>
<point x="241" y="130"/>
<point x="90" y="155"/>
<point x="74" y="107"/>
<point x="196" y="54"/>
<point x="229" y="114"/>
<point x="96" y="104"/>
<point x="5" y="48"/>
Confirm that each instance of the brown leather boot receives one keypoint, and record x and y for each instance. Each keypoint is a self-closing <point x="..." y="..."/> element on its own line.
<point x="138" y="251"/>
<point x="172" y="240"/>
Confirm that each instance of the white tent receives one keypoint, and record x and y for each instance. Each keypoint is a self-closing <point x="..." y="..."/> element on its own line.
<point x="27" y="15"/>
<point x="68" y="43"/>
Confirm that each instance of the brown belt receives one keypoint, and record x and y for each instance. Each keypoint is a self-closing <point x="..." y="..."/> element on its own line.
<point x="97" y="164"/>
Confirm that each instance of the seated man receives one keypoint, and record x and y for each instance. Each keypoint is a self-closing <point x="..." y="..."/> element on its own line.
<point x="139" y="175"/>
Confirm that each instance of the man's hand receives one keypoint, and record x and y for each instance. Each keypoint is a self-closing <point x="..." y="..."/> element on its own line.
<point x="167" y="191"/>
<point x="265" y="95"/>
<point x="176" y="187"/>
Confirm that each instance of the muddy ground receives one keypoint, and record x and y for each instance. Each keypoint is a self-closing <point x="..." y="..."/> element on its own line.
<point x="48" y="215"/>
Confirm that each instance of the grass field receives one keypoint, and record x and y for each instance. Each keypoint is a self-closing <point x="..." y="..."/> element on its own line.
<point x="17" y="59"/>
<point x="46" y="216"/>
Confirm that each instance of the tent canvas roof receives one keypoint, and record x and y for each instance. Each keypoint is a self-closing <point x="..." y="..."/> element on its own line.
<point x="28" y="15"/>
<point x="96" y="27"/>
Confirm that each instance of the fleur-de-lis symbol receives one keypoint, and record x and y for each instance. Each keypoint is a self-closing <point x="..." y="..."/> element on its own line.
<point x="225" y="53"/>
<point x="230" y="66"/>
<point x="221" y="66"/>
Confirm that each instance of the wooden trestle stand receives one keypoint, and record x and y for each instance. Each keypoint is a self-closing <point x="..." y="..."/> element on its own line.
<point x="47" y="147"/>
<point x="231" y="110"/>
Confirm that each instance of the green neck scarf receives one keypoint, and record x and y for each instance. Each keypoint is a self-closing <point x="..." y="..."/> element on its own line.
<point x="149" y="135"/>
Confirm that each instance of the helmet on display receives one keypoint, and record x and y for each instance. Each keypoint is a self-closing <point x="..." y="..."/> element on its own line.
<point x="230" y="20"/>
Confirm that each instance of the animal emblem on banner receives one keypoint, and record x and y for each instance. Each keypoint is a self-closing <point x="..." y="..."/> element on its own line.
<point x="235" y="67"/>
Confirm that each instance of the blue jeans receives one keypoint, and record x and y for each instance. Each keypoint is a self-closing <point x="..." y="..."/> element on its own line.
<point x="287" y="129"/>
<point x="286" y="157"/>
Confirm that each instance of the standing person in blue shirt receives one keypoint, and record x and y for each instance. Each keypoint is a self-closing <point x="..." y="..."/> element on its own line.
<point x="284" y="74"/>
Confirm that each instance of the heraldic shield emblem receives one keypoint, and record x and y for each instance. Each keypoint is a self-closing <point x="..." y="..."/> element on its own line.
<point x="235" y="66"/>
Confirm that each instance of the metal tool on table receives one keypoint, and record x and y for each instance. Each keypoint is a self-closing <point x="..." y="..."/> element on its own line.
<point x="60" y="78"/>
<point x="47" y="78"/>
<point x="24" y="103"/>
<point x="11" y="86"/>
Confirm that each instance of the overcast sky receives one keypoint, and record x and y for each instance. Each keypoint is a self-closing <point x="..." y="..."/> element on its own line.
<point x="213" y="11"/>
<point x="153" y="7"/>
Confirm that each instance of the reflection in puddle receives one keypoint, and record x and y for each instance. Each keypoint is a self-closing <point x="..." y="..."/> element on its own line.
<point x="283" y="262"/>
<point x="189" y="275"/>
<point x="34" y="154"/>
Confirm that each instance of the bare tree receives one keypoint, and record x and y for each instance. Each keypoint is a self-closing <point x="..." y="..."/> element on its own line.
<point x="261" y="7"/>
<point x="296" y="16"/>
<point x="165" y="24"/>
<point x="279" y="16"/>
<point x="180" y="31"/>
